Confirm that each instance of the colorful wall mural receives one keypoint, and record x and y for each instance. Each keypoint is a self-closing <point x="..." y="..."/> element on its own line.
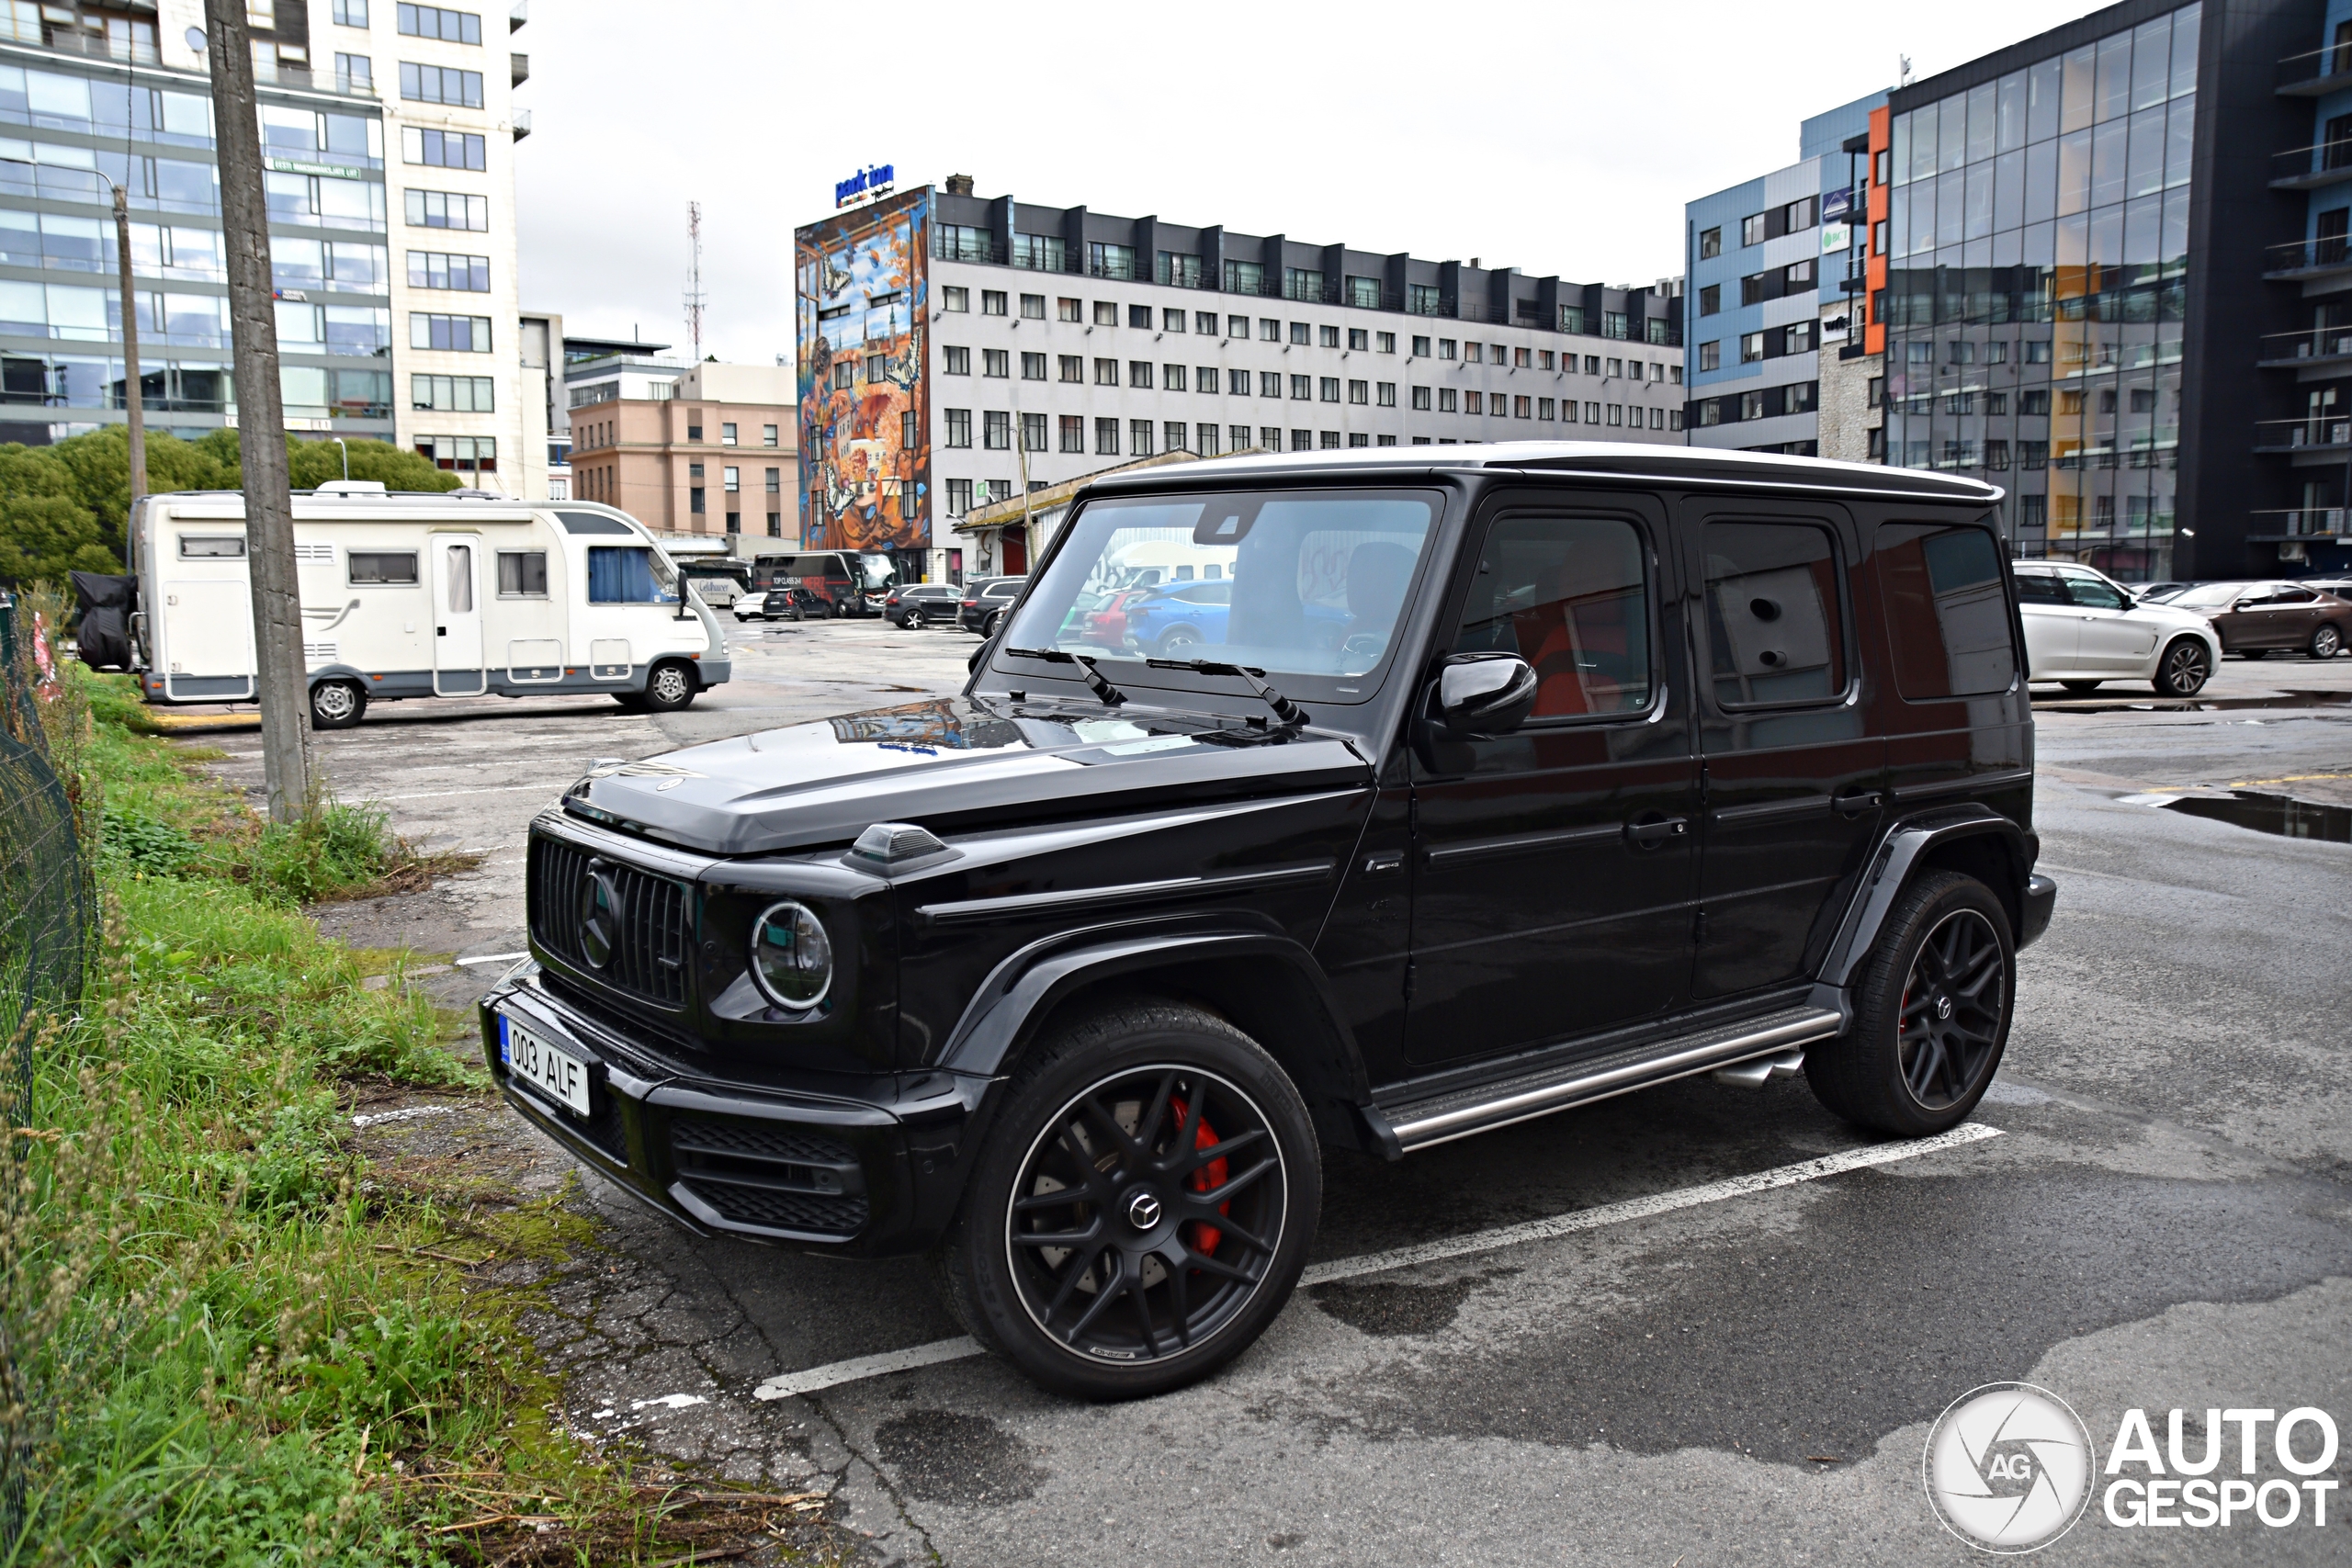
<point x="863" y="297"/>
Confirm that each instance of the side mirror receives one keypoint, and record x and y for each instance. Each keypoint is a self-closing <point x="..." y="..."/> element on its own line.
<point x="979" y="654"/>
<point x="1484" y="693"/>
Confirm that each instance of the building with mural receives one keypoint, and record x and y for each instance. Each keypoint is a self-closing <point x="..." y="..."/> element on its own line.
<point x="862" y="313"/>
<point x="957" y="350"/>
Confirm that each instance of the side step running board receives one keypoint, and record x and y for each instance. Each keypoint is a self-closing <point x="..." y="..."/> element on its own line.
<point x="1781" y="1036"/>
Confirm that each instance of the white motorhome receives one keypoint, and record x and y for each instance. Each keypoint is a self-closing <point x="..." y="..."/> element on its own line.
<point x="421" y="595"/>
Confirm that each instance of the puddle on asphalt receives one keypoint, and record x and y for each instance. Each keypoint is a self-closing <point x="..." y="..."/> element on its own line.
<point x="2280" y="814"/>
<point x="2198" y="704"/>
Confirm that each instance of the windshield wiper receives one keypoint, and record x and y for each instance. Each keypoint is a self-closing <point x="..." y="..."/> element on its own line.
<point x="1285" y="709"/>
<point x="1108" y="694"/>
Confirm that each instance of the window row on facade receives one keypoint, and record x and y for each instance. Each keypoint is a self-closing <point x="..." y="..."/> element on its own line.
<point x="1573" y="319"/>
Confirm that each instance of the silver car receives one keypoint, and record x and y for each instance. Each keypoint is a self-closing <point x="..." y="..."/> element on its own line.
<point x="2083" y="628"/>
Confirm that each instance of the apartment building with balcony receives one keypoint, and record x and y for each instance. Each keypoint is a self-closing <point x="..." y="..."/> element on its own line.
<point x="1775" y="289"/>
<point x="446" y="76"/>
<point x="387" y="139"/>
<point x="2104" y="254"/>
<point x="688" y="450"/>
<point x="95" y="97"/>
<point x="2309" y="361"/>
<point x="955" y="347"/>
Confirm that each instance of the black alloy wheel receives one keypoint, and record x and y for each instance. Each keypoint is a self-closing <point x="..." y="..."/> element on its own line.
<point x="1145" y="1210"/>
<point x="2185" y="668"/>
<point x="1932" y="1006"/>
<point x="1146" y="1215"/>
<point x="2326" y="642"/>
<point x="1954" y="1011"/>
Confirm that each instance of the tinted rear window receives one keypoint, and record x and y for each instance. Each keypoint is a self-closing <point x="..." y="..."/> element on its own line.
<point x="1945" y="611"/>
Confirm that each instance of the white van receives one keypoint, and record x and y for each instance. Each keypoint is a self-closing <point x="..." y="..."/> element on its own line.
<point x="419" y="595"/>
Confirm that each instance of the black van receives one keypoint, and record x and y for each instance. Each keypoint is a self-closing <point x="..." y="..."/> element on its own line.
<point x="1511" y="778"/>
<point x="851" y="582"/>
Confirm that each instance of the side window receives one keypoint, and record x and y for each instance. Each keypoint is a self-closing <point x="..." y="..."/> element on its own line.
<point x="2090" y="594"/>
<point x="459" y="563"/>
<point x="215" y="547"/>
<point x="1945" y="611"/>
<point x="2034" y="587"/>
<point x="1775" y="628"/>
<point x="1571" y="596"/>
<point x="387" y="568"/>
<point x="522" y="574"/>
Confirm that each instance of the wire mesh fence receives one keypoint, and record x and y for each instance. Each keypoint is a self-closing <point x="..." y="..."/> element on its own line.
<point x="47" y="908"/>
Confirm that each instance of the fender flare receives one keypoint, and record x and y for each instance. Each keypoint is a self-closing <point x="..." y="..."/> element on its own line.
<point x="1901" y="851"/>
<point x="1005" y="1012"/>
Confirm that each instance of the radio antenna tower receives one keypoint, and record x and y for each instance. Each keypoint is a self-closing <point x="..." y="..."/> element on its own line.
<point x="695" y="296"/>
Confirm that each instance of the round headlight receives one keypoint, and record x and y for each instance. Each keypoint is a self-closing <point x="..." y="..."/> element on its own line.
<point x="792" y="959"/>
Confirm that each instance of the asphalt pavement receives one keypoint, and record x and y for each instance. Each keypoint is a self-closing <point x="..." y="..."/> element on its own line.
<point x="1739" y="1361"/>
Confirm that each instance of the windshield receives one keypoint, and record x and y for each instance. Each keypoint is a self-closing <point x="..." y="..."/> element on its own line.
<point x="1294" y="584"/>
<point x="2213" y="594"/>
<point x="878" y="571"/>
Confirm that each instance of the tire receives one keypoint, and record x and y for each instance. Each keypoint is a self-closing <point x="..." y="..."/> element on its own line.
<point x="988" y="626"/>
<point x="669" y="687"/>
<point x="1174" y="641"/>
<point x="1929" y="1079"/>
<point x="1154" y="1239"/>
<point x="2326" y="642"/>
<point x="841" y="609"/>
<point x="337" y="704"/>
<point x="2184" y="668"/>
<point x="2080" y="688"/>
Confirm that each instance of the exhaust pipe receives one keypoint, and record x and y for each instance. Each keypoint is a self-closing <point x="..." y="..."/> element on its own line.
<point x="1763" y="1071"/>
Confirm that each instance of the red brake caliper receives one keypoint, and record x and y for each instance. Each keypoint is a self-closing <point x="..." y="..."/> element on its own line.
<point x="1208" y="1178"/>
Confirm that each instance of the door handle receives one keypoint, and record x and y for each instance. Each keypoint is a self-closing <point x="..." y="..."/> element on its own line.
<point x="440" y="631"/>
<point x="1857" y="804"/>
<point x="1649" y="835"/>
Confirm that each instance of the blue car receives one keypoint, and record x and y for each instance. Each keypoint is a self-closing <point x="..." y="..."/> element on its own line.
<point x="1167" y="620"/>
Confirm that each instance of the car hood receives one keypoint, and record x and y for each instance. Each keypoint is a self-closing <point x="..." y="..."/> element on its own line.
<point x="952" y="764"/>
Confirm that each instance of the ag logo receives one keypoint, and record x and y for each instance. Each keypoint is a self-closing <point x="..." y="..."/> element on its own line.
<point x="2008" y="1468"/>
<point x="599" y="912"/>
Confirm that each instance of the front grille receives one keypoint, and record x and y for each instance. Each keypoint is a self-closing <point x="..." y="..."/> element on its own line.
<point x="779" y="1178"/>
<point x="648" y="959"/>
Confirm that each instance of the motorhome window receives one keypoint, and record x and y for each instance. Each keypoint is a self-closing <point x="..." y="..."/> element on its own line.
<point x="627" y="574"/>
<point x="392" y="567"/>
<point x="522" y="574"/>
<point x="591" y="523"/>
<point x="457" y="565"/>
<point x="213" y="546"/>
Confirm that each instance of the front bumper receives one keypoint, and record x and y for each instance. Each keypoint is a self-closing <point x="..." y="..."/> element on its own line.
<point x="867" y="1167"/>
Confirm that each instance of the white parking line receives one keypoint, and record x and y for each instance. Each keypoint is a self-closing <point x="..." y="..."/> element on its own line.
<point x="786" y="1384"/>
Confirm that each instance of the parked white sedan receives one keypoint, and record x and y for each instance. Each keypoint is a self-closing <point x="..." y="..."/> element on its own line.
<point x="2081" y="629"/>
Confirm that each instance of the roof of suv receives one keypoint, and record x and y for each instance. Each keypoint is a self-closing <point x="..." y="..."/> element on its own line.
<point x="1610" y="460"/>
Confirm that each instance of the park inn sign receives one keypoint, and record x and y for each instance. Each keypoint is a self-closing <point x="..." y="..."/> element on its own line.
<point x="875" y="180"/>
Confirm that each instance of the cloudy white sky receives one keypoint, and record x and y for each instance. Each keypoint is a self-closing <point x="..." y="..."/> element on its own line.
<point x="1548" y="137"/>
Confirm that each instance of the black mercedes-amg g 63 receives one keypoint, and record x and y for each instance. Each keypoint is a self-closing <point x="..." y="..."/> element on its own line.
<point x="1488" y="781"/>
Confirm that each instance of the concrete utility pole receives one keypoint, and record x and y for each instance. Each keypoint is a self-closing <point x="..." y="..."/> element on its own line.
<point x="261" y="417"/>
<point x="133" y="398"/>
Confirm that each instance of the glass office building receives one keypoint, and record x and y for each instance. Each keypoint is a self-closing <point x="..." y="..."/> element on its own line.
<point x="2098" y="245"/>
<point x="2036" y="301"/>
<point x="86" y="106"/>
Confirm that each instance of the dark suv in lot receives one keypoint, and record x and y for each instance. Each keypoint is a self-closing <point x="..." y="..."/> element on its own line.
<point x="1511" y="778"/>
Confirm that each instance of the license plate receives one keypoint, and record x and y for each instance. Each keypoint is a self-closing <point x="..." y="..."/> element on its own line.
<point x="553" y="1071"/>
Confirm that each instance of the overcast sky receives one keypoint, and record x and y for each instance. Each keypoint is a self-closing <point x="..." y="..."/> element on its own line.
<point x="1551" y="138"/>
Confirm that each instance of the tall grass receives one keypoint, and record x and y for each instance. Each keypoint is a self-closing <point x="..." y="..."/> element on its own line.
<point x="208" y="1336"/>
